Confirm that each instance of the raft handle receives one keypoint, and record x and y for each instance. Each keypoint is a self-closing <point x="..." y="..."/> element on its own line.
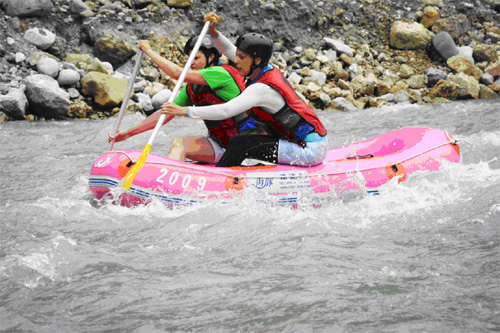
<point x="360" y="157"/>
<point x="130" y="163"/>
<point x="395" y="167"/>
<point x="236" y="180"/>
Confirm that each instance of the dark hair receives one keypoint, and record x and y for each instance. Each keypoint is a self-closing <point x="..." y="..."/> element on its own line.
<point x="207" y="47"/>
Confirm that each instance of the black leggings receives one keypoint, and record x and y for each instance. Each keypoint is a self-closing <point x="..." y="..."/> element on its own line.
<point x="242" y="146"/>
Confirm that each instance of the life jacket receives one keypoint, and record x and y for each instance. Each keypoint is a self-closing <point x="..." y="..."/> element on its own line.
<point x="220" y="130"/>
<point x="296" y="119"/>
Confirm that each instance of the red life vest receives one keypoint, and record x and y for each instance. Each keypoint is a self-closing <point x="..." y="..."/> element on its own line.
<point x="296" y="119"/>
<point x="220" y="130"/>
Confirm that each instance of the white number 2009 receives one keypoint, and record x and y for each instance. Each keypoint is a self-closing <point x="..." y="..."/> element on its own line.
<point x="186" y="180"/>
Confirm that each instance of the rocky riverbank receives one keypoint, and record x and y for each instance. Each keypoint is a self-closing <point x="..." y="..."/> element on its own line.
<point x="73" y="58"/>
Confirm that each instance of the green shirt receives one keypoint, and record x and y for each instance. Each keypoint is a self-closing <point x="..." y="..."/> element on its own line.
<point x="219" y="80"/>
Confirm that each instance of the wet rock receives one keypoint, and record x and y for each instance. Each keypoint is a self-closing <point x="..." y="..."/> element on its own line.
<point x="444" y="45"/>
<point x="46" y="98"/>
<point x="14" y="104"/>
<point x="409" y="35"/>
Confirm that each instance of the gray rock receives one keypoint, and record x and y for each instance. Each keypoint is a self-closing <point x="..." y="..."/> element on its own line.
<point x="161" y="97"/>
<point x="144" y="102"/>
<point x="338" y="46"/>
<point x="15" y="103"/>
<point x="28" y="8"/>
<point x="444" y="45"/>
<point x="48" y="66"/>
<point x="466" y="51"/>
<point x="434" y="75"/>
<point x="487" y="79"/>
<point x="68" y="77"/>
<point x="41" y="38"/>
<point x="46" y="99"/>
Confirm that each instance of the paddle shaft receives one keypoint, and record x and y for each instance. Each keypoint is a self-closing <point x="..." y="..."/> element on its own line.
<point x="127" y="96"/>
<point x="130" y="176"/>
<point x="178" y="85"/>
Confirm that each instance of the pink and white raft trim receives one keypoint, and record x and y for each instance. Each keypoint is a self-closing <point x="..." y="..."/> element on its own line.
<point x="364" y="165"/>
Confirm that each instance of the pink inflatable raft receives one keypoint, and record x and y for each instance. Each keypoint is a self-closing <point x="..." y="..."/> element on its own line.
<point x="361" y="166"/>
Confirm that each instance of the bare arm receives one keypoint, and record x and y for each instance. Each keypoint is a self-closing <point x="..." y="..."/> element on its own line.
<point x="172" y="70"/>
<point x="145" y="125"/>
<point x="223" y="44"/>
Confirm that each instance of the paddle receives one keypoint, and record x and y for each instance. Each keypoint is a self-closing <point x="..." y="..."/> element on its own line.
<point x="127" y="96"/>
<point x="130" y="176"/>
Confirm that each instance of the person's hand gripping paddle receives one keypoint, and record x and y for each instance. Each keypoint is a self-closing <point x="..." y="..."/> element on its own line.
<point x="130" y="176"/>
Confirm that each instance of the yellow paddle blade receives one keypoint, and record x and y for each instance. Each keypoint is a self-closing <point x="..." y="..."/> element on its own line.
<point x="130" y="176"/>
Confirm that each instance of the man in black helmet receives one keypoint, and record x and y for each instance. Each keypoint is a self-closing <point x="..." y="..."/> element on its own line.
<point x="298" y="135"/>
<point x="208" y="83"/>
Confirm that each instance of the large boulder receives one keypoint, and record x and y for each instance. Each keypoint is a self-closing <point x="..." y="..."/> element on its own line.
<point x="28" y="8"/>
<point x="434" y="75"/>
<point x="456" y="25"/>
<point x="462" y="64"/>
<point x="409" y="35"/>
<point x="444" y="89"/>
<point x="46" y="98"/>
<point x="108" y="91"/>
<point x="468" y="85"/>
<point x="114" y="51"/>
<point x="444" y="45"/>
<point x="80" y="8"/>
<point x="14" y="104"/>
<point x="41" y="38"/>
<point x="485" y="52"/>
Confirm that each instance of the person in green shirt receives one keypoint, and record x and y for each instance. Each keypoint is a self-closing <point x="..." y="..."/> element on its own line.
<point x="208" y="83"/>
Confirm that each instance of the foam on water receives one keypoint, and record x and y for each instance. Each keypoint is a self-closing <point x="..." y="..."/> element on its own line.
<point x="422" y="255"/>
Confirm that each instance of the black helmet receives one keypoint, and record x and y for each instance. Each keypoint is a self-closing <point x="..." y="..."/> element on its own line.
<point x="207" y="47"/>
<point x="257" y="46"/>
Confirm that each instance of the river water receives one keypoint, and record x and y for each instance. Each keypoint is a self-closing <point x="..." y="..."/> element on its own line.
<point x="422" y="256"/>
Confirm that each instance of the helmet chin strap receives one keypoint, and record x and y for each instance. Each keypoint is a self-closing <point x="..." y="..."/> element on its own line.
<point x="253" y="67"/>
